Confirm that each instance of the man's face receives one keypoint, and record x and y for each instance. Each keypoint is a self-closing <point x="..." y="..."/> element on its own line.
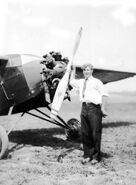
<point x="87" y="72"/>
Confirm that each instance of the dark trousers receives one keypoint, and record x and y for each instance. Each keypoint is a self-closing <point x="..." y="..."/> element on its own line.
<point x="91" y="130"/>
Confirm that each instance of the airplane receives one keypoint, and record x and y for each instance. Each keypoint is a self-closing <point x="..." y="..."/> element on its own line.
<point x="22" y="90"/>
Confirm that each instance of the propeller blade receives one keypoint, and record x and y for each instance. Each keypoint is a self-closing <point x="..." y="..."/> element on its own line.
<point x="77" y="41"/>
<point x="62" y="86"/>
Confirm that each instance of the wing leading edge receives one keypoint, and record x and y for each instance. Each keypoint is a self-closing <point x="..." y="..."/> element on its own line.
<point x="105" y="75"/>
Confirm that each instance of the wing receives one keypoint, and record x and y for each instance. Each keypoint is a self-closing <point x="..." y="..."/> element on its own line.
<point x="106" y="75"/>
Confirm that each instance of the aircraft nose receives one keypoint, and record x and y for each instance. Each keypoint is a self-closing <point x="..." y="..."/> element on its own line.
<point x="32" y="67"/>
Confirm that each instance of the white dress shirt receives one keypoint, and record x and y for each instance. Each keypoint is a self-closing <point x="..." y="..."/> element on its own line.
<point x="93" y="92"/>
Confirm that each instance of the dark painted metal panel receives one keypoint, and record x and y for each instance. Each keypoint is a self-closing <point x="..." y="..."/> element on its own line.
<point x="3" y="64"/>
<point x="15" y="85"/>
<point x="35" y="102"/>
<point x="4" y="103"/>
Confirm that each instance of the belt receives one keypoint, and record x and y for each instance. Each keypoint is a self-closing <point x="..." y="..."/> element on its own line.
<point x="90" y="103"/>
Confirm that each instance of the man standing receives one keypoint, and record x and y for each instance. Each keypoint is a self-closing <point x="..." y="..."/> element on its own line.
<point x="92" y="94"/>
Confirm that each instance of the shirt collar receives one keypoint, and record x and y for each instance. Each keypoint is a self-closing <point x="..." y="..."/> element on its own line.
<point x="89" y="78"/>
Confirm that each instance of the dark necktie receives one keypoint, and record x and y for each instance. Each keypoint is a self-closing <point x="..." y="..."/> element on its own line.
<point x="84" y="87"/>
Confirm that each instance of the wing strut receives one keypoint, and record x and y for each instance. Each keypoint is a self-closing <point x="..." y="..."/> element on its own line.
<point x="61" y="124"/>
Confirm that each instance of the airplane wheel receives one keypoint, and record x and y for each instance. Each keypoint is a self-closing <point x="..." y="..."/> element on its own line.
<point x="3" y="142"/>
<point x="75" y="132"/>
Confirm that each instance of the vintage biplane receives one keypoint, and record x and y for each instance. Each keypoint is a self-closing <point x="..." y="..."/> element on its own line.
<point x="22" y="89"/>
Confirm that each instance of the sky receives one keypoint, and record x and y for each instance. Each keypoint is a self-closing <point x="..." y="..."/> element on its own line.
<point x="40" y="26"/>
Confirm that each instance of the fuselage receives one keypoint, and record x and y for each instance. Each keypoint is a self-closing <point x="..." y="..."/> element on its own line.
<point x="20" y="79"/>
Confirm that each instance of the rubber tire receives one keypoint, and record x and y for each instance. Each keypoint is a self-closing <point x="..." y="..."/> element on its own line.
<point x="4" y="142"/>
<point x="75" y="132"/>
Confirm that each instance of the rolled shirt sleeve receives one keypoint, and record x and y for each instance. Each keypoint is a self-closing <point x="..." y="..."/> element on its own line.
<point x="103" y="91"/>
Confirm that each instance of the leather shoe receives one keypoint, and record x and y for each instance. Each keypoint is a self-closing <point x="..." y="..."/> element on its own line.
<point x="86" y="160"/>
<point x="94" y="161"/>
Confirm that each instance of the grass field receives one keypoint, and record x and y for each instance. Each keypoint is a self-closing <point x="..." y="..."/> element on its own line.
<point x="35" y="146"/>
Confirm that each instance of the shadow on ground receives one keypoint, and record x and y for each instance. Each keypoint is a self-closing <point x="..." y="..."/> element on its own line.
<point x="117" y="124"/>
<point x="38" y="137"/>
<point x="53" y="137"/>
<point x="50" y="137"/>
